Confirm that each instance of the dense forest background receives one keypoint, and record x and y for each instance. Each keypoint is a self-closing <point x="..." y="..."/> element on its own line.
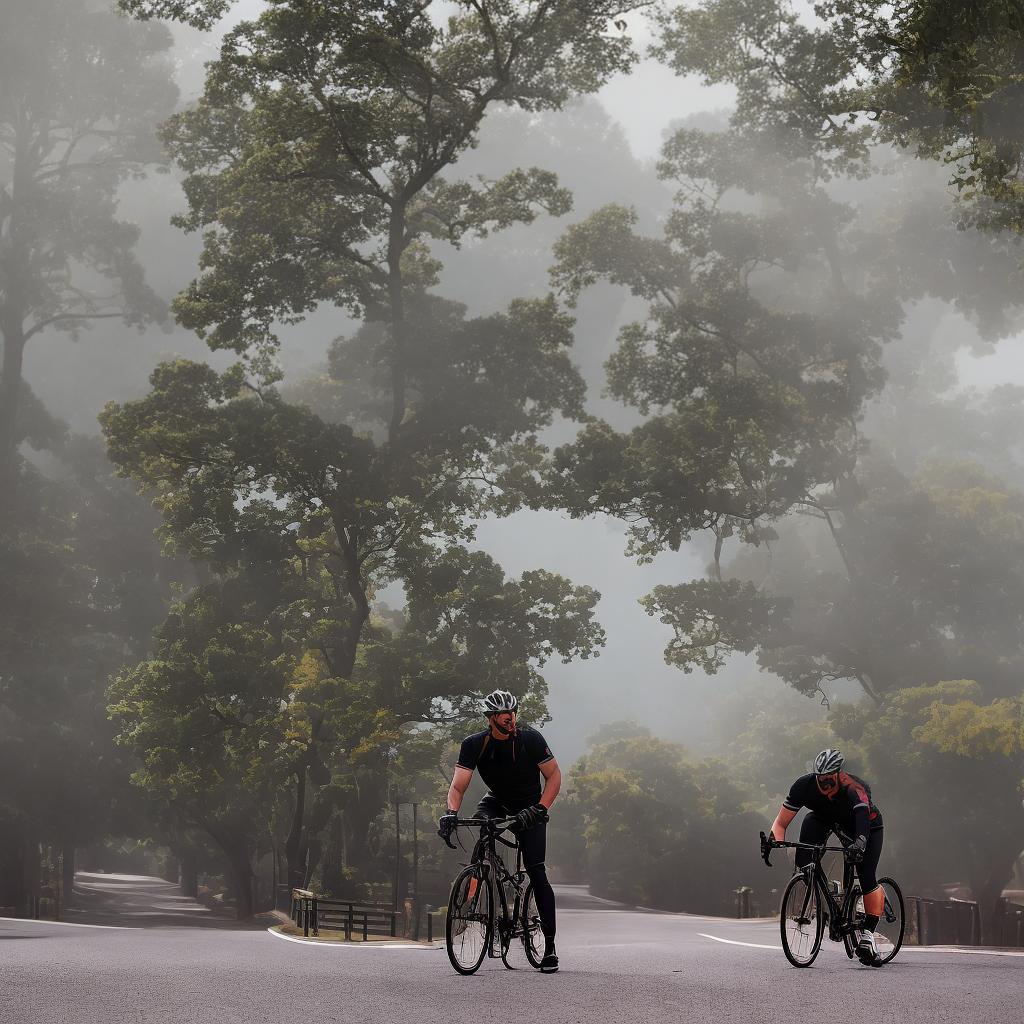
<point x="359" y="358"/>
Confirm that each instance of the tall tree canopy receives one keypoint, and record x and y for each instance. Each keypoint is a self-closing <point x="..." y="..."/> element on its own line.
<point x="78" y="113"/>
<point x="938" y="77"/>
<point x="321" y="162"/>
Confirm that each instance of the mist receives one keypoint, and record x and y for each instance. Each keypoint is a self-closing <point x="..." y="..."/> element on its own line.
<point x="704" y="442"/>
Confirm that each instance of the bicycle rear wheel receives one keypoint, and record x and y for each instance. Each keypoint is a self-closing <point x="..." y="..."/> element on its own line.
<point x="801" y="920"/>
<point x="470" y="920"/>
<point x="533" y="937"/>
<point x="892" y="924"/>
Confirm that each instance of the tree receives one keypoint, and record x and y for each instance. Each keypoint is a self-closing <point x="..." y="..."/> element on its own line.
<point x="659" y="829"/>
<point x="315" y="161"/>
<point x="941" y="79"/>
<point x="81" y="585"/>
<point x="77" y="117"/>
<point x="939" y="747"/>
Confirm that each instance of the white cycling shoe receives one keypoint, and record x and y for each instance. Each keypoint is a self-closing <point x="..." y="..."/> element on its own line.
<point x="867" y="950"/>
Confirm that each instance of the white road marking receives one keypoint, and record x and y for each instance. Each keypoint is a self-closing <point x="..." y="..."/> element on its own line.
<point x="69" y="924"/>
<point x="959" y="949"/>
<point x="734" y="942"/>
<point x="904" y="949"/>
<point x="351" y="945"/>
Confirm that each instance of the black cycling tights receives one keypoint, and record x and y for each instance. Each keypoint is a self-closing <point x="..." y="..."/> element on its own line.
<point x="533" y="842"/>
<point x="545" y="899"/>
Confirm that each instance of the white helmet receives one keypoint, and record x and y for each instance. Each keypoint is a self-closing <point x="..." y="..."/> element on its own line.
<point x="498" y="701"/>
<point x="828" y="761"/>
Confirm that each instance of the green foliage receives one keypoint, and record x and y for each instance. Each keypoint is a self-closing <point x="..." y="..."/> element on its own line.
<point x="712" y="619"/>
<point x="659" y="829"/>
<point x="946" y="755"/>
<point x="938" y="77"/>
<point x="316" y="155"/>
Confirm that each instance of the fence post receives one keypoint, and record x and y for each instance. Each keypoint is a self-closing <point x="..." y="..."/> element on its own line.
<point x="364" y="927"/>
<point x="430" y="923"/>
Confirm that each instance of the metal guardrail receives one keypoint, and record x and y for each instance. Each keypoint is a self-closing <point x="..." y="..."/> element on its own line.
<point x="942" y="922"/>
<point x="310" y="912"/>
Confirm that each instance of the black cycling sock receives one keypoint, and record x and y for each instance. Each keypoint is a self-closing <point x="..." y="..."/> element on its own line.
<point x="870" y="922"/>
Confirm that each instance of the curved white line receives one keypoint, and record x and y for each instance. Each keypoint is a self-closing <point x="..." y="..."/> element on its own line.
<point x="70" y="924"/>
<point x="351" y="945"/>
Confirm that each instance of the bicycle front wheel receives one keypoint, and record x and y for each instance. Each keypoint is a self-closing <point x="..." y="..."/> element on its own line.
<point x="470" y="920"/>
<point x="533" y="937"/>
<point x="892" y="924"/>
<point x="801" y="920"/>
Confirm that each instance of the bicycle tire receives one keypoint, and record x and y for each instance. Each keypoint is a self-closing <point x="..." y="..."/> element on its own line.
<point x="893" y="930"/>
<point x="530" y="922"/>
<point x="797" y="925"/>
<point x="854" y="921"/>
<point x="470" y="920"/>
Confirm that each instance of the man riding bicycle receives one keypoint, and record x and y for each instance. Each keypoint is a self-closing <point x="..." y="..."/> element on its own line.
<point x="838" y="800"/>
<point x="511" y="760"/>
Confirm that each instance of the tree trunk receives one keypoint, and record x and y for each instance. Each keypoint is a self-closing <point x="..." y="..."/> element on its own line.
<point x="990" y="903"/>
<point x="188" y="874"/>
<point x="10" y="400"/>
<point x="242" y="879"/>
<point x="68" y="875"/>
<point x="295" y="846"/>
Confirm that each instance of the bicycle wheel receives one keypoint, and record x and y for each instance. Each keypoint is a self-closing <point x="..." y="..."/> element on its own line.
<point x="801" y="921"/>
<point x="470" y="920"/>
<point x="892" y="924"/>
<point x="856" y="922"/>
<point x="532" y="936"/>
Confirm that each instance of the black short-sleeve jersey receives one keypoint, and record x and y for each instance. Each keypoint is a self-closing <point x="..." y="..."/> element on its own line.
<point x="510" y="768"/>
<point x="849" y="808"/>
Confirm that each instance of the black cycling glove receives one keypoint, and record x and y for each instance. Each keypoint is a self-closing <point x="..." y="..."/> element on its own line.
<point x="530" y="816"/>
<point x="856" y="850"/>
<point x="446" y="824"/>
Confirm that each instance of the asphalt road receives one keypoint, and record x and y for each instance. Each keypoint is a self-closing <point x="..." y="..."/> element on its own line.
<point x="160" y="957"/>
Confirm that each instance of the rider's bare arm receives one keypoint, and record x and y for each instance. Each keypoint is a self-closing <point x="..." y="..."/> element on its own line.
<point x="781" y="823"/>
<point x="460" y="783"/>
<point x="552" y="782"/>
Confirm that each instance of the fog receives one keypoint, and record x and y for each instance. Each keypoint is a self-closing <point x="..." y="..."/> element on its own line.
<point x="820" y="585"/>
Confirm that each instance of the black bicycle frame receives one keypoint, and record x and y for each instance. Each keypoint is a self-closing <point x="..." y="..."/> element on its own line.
<point x="486" y="856"/>
<point x="840" y="917"/>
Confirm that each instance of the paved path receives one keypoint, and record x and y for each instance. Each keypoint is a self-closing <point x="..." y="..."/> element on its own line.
<point x="620" y="965"/>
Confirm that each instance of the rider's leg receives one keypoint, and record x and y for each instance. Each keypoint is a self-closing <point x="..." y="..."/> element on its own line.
<point x="874" y="895"/>
<point x="814" y="831"/>
<point x="533" y="843"/>
<point x="874" y="898"/>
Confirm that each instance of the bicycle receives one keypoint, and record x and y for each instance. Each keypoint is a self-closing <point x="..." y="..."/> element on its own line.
<point x="473" y="929"/>
<point x="810" y="901"/>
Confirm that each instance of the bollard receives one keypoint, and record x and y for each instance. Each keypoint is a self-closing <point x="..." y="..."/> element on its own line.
<point x="744" y="895"/>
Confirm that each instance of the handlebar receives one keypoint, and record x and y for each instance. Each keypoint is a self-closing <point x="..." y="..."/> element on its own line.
<point x="769" y="844"/>
<point x="494" y="825"/>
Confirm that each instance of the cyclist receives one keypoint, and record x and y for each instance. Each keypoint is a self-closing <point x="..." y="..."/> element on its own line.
<point x="838" y="800"/>
<point x="511" y="760"/>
